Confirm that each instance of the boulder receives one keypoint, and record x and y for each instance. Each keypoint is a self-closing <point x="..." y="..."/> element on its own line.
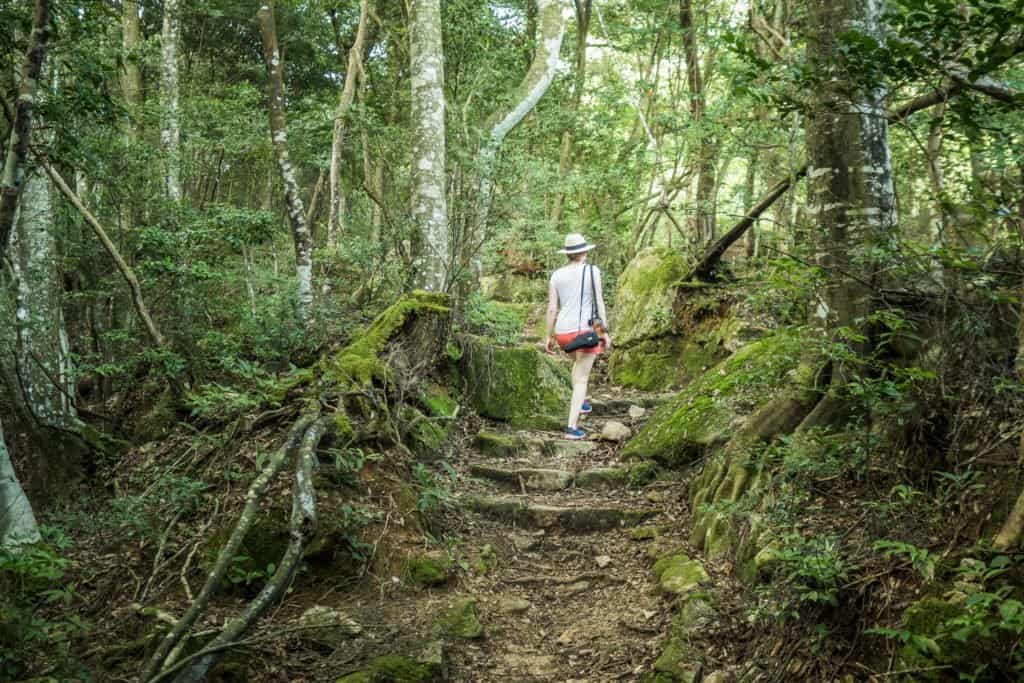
<point x="711" y="408"/>
<point x="668" y="331"/>
<point x="518" y="385"/>
<point x="615" y="432"/>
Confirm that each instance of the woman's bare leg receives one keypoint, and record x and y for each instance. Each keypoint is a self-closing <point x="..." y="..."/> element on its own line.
<point x="581" y="368"/>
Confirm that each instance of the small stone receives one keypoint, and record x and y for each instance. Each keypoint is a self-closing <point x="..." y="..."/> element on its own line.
<point x="429" y="569"/>
<point x="637" y="412"/>
<point x="327" y="626"/>
<point x="718" y="677"/>
<point x="524" y="542"/>
<point x="514" y="605"/>
<point x="679" y="575"/>
<point x="615" y="432"/>
<point x="576" y="588"/>
<point x="602" y="478"/>
<point x="460" y="621"/>
<point x="656" y="496"/>
<point x="603" y="561"/>
<point x="645" y="533"/>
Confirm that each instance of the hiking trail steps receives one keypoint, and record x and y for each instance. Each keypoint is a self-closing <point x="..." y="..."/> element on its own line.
<point x="565" y="535"/>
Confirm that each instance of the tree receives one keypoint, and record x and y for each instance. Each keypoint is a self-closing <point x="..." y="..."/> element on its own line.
<point x="170" y="127"/>
<point x="850" y="176"/>
<point x="355" y="66"/>
<point x="279" y="137"/>
<point x="429" y="201"/>
<point x="17" y="521"/>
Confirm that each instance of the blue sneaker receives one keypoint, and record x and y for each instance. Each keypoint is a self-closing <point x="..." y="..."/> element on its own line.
<point x="575" y="434"/>
<point x="587" y="408"/>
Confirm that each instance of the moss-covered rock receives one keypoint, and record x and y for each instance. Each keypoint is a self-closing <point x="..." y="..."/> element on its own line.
<point x="668" y="331"/>
<point x="359" y="363"/>
<point x="710" y="409"/>
<point x="518" y="384"/>
<point x="498" y="445"/>
<point x="460" y="621"/>
<point x="394" y="669"/>
<point x="679" y="575"/>
<point x="645" y="296"/>
<point x="429" y="569"/>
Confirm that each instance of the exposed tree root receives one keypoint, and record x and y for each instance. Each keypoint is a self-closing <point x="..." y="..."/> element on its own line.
<point x="1010" y="533"/>
<point x="303" y="526"/>
<point x="252" y="500"/>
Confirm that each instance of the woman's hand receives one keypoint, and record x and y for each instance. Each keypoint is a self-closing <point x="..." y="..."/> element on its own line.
<point x="607" y="341"/>
<point x="549" y="345"/>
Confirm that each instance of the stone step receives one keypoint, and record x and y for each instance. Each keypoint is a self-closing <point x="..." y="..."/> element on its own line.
<point x="509" y="445"/>
<point x="619" y="407"/>
<point x="522" y="513"/>
<point x="527" y="479"/>
<point x="550" y="480"/>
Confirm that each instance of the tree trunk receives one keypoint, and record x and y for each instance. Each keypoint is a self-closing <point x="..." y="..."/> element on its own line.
<point x="850" y="187"/>
<point x="553" y="15"/>
<point x="42" y="362"/>
<point x="429" y="203"/>
<point x="750" y="247"/>
<point x="21" y="127"/>
<point x="355" y="65"/>
<point x="583" y="9"/>
<point x="279" y="138"/>
<point x="704" y="215"/>
<point x="17" y="522"/>
<point x="170" y="129"/>
<point x="131" y="74"/>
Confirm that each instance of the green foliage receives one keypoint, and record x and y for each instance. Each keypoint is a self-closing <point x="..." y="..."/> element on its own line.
<point x="435" y="490"/>
<point x="920" y="559"/>
<point x="253" y="388"/>
<point x="31" y="579"/>
<point x="502" y="323"/>
<point x="970" y="633"/>
<point x="814" y="568"/>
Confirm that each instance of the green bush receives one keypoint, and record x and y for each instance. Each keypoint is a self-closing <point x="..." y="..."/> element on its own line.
<point x="31" y="579"/>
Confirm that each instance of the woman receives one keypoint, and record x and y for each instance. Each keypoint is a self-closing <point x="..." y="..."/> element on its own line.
<point x="571" y="302"/>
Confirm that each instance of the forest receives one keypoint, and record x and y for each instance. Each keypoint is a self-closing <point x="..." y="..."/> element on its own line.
<point x="277" y="401"/>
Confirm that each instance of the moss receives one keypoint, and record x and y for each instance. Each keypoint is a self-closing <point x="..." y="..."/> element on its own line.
<point x="263" y="545"/>
<point x="645" y="296"/>
<point x="706" y="412"/>
<point x="393" y="669"/>
<point x="358" y="364"/>
<point x="518" y="385"/>
<point x="499" y="445"/>
<point x="460" y="621"/>
<point x="429" y="569"/>
<point x="425" y="436"/>
<point x="438" y="402"/>
<point x="682" y="577"/>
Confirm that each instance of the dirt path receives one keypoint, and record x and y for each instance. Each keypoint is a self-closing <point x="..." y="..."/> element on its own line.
<point x="568" y="594"/>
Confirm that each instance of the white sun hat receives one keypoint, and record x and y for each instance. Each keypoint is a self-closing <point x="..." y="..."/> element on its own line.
<point x="575" y="243"/>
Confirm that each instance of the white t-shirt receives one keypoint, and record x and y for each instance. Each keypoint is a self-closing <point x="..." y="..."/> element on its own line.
<point x="573" y="313"/>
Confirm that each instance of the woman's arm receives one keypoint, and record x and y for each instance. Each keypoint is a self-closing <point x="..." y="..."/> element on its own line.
<point x="549" y="321"/>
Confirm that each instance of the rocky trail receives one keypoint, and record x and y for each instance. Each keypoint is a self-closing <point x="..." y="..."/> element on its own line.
<point x="565" y="537"/>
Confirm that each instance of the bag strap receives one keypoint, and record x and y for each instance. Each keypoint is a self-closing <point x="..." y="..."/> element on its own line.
<point x="583" y="284"/>
<point x="593" y="295"/>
